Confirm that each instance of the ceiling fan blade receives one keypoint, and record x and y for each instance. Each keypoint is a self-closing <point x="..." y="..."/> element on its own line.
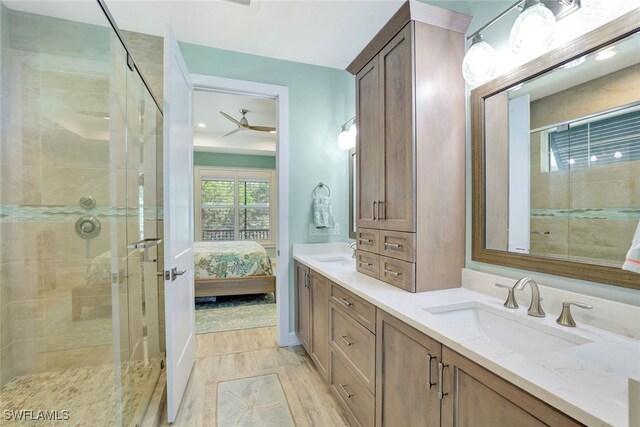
<point x="262" y="128"/>
<point x="231" y="118"/>
<point x="233" y="131"/>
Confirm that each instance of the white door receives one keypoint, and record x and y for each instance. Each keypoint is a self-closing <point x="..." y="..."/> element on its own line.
<point x="178" y="223"/>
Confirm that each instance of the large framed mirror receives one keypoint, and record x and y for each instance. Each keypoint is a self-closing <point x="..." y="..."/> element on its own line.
<point x="556" y="159"/>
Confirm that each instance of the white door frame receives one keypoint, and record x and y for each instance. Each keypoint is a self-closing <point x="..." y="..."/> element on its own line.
<point x="281" y="95"/>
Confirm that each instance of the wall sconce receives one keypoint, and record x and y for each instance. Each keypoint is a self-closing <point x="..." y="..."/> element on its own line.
<point x="531" y="35"/>
<point x="347" y="135"/>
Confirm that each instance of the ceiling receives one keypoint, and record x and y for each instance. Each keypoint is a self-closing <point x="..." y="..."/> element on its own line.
<point x="321" y="32"/>
<point x="206" y="110"/>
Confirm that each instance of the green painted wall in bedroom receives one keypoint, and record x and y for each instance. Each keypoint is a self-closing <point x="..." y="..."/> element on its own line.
<point x="233" y="160"/>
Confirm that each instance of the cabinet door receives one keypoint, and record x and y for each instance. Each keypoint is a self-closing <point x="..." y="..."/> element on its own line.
<point x="406" y="375"/>
<point x="477" y="397"/>
<point x="398" y="186"/>
<point x="303" y="306"/>
<point x="368" y="145"/>
<point x="320" y="295"/>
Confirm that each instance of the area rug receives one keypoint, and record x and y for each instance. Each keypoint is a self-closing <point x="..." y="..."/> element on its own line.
<point x="255" y="401"/>
<point x="234" y="312"/>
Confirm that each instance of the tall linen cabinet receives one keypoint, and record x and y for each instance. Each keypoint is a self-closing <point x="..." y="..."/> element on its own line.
<point x="410" y="152"/>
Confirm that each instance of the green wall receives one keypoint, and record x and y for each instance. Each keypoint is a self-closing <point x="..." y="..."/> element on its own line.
<point x="233" y="160"/>
<point x="320" y="100"/>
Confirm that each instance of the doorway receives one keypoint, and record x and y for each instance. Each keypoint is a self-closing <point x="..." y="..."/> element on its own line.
<point x="241" y="152"/>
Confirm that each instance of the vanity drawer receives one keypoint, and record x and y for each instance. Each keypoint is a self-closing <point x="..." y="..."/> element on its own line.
<point x="358" y="402"/>
<point x="401" y="274"/>
<point x="399" y="245"/>
<point x="368" y="240"/>
<point x="367" y="263"/>
<point x="354" y="306"/>
<point x="355" y="343"/>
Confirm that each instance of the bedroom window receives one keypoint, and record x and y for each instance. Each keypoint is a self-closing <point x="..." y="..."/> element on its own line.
<point x="235" y="204"/>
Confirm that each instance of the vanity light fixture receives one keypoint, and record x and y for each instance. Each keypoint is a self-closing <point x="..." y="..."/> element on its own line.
<point x="531" y="35"/>
<point x="347" y="136"/>
<point x="479" y="63"/>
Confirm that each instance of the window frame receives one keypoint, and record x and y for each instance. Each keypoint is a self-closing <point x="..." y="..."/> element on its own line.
<point x="235" y="174"/>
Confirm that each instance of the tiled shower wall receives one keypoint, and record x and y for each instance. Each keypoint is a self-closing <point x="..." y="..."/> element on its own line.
<point x="65" y="88"/>
<point x="589" y="213"/>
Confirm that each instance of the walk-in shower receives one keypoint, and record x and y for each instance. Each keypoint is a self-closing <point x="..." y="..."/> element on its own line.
<point x="81" y="308"/>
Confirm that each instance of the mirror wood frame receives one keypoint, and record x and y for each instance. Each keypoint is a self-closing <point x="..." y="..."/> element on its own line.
<point x="605" y="35"/>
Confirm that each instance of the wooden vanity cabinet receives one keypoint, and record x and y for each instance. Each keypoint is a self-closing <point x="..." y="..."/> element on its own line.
<point x="410" y="148"/>
<point x="313" y="292"/>
<point x="420" y="382"/>
<point x="320" y="295"/>
<point x="303" y="305"/>
<point x="406" y="375"/>
<point x="476" y="397"/>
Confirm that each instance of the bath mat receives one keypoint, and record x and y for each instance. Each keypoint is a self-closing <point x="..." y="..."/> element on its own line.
<point x="255" y="401"/>
<point x="231" y="313"/>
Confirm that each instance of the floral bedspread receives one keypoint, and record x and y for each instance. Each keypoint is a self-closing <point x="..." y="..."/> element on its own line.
<point x="231" y="260"/>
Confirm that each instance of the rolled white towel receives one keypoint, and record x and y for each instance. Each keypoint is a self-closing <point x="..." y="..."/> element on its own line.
<point x="632" y="263"/>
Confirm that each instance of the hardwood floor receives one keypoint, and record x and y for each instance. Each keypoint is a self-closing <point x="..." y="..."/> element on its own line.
<point x="225" y="356"/>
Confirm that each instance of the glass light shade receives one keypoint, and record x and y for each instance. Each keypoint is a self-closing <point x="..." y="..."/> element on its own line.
<point x="347" y="138"/>
<point x="532" y="33"/>
<point x="602" y="9"/>
<point x="479" y="64"/>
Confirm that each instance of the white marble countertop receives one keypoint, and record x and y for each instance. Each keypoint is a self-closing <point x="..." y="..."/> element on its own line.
<point x="589" y="382"/>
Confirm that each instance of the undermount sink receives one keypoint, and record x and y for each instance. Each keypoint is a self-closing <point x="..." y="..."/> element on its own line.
<point x="337" y="261"/>
<point x="525" y="336"/>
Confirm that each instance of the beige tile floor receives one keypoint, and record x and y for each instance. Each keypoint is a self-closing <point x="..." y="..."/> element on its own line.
<point x="225" y="356"/>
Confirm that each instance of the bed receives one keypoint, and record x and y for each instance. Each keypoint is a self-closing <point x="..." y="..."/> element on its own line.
<point x="232" y="268"/>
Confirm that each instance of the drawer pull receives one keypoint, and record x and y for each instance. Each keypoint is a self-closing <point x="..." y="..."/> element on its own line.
<point x="345" y="301"/>
<point x="392" y="245"/>
<point x="441" y="393"/>
<point x="344" y="338"/>
<point x="366" y="264"/>
<point x="392" y="273"/>
<point x="344" y="388"/>
<point x="363" y="240"/>
<point x="430" y="382"/>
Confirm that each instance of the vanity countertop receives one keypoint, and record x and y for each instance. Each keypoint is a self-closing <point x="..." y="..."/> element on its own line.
<point x="589" y="382"/>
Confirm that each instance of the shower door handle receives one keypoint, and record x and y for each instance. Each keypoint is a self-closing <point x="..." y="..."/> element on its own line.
<point x="175" y="273"/>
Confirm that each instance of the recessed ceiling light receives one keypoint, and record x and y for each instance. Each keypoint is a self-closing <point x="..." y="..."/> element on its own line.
<point x="106" y="117"/>
<point x="594" y="158"/>
<point x="272" y="131"/>
<point x="571" y="161"/>
<point x="202" y="125"/>
<point x="617" y="155"/>
<point x="605" y="55"/>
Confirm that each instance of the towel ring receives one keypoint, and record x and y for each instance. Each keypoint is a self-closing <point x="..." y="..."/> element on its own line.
<point x="321" y="186"/>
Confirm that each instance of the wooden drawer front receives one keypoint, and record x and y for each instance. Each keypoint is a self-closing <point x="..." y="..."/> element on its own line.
<point x="354" y="396"/>
<point x="356" y="307"/>
<point x="398" y="273"/>
<point x="367" y="263"/>
<point x="368" y="240"/>
<point x="396" y="244"/>
<point x="355" y="343"/>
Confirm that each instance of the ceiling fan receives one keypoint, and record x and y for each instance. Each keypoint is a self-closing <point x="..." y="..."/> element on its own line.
<point x="243" y="124"/>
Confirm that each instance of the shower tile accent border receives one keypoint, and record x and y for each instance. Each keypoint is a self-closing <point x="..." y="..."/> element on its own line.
<point x="614" y="214"/>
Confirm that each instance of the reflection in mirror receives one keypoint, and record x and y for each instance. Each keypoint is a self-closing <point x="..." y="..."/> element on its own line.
<point x="562" y="160"/>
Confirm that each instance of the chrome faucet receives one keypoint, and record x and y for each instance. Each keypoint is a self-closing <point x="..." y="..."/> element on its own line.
<point x="352" y="245"/>
<point x="535" y="308"/>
